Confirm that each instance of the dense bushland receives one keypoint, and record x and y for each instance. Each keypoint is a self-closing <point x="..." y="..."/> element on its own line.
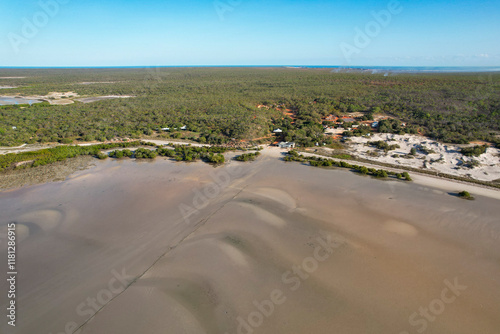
<point x="219" y="105"/>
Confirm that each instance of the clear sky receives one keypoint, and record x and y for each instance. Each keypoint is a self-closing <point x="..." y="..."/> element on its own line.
<point x="249" y="32"/>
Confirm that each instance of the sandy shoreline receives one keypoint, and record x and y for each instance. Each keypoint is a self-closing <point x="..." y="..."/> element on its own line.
<point x="277" y="153"/>
<point x="437" y="182"/>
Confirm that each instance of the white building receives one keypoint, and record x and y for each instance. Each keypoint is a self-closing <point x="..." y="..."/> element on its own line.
<point x="286" y="144"/>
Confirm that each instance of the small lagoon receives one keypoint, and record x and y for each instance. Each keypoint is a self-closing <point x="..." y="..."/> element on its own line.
<point x="9" y="100"/>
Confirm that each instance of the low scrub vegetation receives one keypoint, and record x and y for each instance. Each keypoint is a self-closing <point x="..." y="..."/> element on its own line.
<point x="60" y="153"/>
<point x="382" y="145"/>
<point x="193" y="153"/>
<point x="465" y="195"/>
<point x="474" y="151"/>
<point x="325" y="162"/>
<point x="425" y="149"/>
<point x="247" y="156"/>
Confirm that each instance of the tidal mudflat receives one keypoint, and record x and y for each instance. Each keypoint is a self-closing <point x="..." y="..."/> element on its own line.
<point x="262" y="247"/>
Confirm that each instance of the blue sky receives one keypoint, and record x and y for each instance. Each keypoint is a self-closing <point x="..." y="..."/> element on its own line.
<point x="249" y="32"/>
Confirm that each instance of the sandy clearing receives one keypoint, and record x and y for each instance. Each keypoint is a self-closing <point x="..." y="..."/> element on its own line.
<point x="96" y="82"/>
<point x="273" y="151"/>
<point x="445" y="159"/>
<point x="175" y="142"/>
<point x="61" y="102"/>
<point x="59" y="95"/>
<point x="55" y="98"/>
<point x="24" y="148"/>
<point x="13" y="148"/>
<point x="64" y="98"/>
<point x="102" y="98"/>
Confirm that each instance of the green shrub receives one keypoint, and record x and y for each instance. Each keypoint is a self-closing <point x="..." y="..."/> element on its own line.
<point x="102" y="156"/>
<point x="247" y="156"/>
<point x="382" y="145"/>
<point x="466" y="195"/>
<point x="474" y="150"/>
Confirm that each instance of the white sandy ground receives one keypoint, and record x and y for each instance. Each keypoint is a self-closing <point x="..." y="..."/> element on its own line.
<point x="446" y="159"/>
<point x="96" y="82"/>
<point x="24" y="148"/>
<point x="100" y="98"/>
<point x="58" y="98"/>
<point x="61" y="102"/>
<point x="176" y="142"/>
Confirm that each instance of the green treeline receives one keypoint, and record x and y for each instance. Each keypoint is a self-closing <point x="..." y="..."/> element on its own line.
<point x="192" y="153"/>
<point x="60" y="153"/>
<point x="118" y="154"/>
<point x="325" y="162"/>
<point x="177" y="152"/>
<point x="395" y="126"/>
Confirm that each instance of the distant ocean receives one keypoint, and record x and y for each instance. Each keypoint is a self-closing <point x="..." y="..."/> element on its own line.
<point x="408" y="69"/>
<point x="372" y="69"/>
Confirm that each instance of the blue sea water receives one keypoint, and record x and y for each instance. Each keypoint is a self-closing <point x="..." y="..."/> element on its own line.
<point x="414" y="69"/>
<point x="373" y="69"/>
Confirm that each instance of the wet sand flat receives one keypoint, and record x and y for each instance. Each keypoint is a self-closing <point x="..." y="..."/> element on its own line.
<point x="263" y="247"/>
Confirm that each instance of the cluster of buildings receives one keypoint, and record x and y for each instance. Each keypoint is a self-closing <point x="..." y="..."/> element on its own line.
<point x="339" y="121"/>
<point x="181" y="128"/>
<point x="336" y="129"/>
<point x="283" y="144"/>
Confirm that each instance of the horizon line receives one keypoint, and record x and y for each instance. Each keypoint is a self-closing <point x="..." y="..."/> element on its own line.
<point x="495" y="68"/>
